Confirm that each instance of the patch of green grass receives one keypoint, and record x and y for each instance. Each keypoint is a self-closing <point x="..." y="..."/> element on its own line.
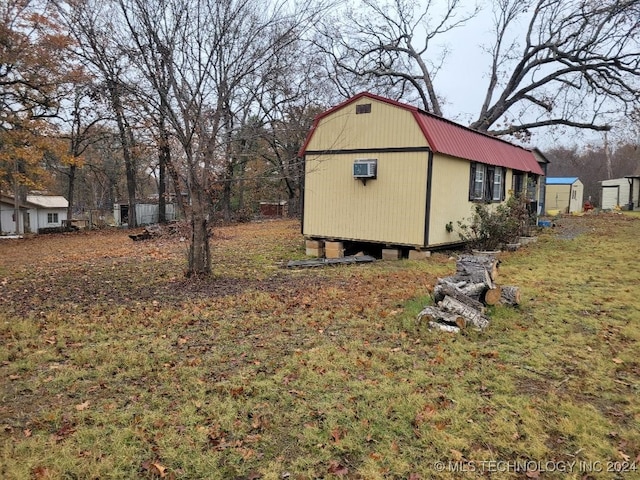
<point x="269" y="373"/>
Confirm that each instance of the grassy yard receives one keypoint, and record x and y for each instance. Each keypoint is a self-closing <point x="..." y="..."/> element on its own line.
<point x="113" y="366"/>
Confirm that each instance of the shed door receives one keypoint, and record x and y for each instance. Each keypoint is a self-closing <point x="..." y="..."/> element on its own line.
<point x="610" y="196"/>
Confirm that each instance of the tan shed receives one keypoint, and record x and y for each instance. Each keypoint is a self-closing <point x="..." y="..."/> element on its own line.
<point x="564" y="194"/>
<point x="383" y="172"/>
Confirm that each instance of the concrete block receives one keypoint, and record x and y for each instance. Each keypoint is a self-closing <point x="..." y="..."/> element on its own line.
<point x="419" y="254"/>
<point x="391" y="253"/>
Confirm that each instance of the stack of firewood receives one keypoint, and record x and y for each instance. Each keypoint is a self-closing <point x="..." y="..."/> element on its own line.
<point x="460" y="300"/>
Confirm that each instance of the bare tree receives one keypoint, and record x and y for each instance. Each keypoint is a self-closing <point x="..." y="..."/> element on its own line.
<point x="83" y="118"/>
<point x="391" y="41"/>
<point x="95" y="28"/>
<point x="578" y="59"/>
<point x="207" y="51"/>
<point x="574" y="63"/>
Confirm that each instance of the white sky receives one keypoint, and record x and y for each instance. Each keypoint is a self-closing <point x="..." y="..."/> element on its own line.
<point x="463" y="80"/>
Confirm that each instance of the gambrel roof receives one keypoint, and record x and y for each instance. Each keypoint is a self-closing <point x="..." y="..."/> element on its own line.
<point x="449" y="138"/>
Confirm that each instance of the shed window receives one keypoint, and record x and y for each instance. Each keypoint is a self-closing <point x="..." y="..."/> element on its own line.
<point x="479" y="182"/>
<point x="363" y="108"/>
<point x="486" y="183"/>
<point x="518" y="183"/>
<point x="498" y="185"/>
<point x="52" y="218"/>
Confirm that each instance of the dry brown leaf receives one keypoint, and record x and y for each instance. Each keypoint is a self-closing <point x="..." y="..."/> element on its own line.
<point x="40" y="473"/>
<point x="456" y="455"/>
<point x="336" y="468"/>
<point x="159" y="469"/>
<point x="337" y="434"/>
<point x="623" y="456"/>
<point x="82" y="406"/>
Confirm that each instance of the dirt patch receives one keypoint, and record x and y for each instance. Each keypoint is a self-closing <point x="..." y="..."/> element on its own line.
<point x="569" y="228"/>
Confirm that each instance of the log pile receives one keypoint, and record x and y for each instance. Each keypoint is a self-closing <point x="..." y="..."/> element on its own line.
<point x="460" y="301"/>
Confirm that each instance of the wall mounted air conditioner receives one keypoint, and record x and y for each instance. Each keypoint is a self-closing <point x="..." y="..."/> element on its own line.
<point x="365" y="169"/>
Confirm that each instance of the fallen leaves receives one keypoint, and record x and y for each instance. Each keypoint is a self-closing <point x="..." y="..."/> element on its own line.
<point x="155" y="468"/>
<point x="336" y="468"/>
<point x="63" y="432"/>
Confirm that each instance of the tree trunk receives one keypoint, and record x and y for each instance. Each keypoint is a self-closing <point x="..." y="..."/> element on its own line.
<point x="163" y="160"/>
<point x="126" y="141"/>
<point x="177" y="188"/>
<point x="226" y="193"/>
<point x="199" y="253"/>
<point x="70" y="189"/>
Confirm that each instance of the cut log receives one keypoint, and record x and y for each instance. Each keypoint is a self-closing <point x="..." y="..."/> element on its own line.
<point x="441" y="290"/>
<point x="478" y="276"/>
<point x="510" y="295"/>
<point x="469" y="264"/>
<point x="434" y="314"/>
<point x="453" y="281"/>
<point x="474" y="290"/>
<point x="444" y="328"/>
<point x="471" y="315"/>
<point x="492" y="296"/>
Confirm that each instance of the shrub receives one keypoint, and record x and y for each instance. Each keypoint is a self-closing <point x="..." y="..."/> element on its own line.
<point x="489" y="228"/>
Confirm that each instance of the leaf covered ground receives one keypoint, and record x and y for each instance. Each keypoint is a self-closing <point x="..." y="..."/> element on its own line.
<point x="113" y="365"/>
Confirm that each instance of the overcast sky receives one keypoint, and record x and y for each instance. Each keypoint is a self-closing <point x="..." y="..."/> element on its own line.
<point x="463" y="80"/>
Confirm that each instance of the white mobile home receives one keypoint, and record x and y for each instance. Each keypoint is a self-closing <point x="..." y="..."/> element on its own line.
<point x="39" y="211"/>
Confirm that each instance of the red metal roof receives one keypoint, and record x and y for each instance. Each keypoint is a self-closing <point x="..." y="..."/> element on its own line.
<point x="449" y="138"/>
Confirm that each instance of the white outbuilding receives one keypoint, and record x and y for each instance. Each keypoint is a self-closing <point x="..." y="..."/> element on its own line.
<point x="620" y="193"/>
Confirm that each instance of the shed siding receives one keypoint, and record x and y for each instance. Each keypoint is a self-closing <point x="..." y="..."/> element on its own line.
<point x="558" y="197"/>
<point x="386" y="126"/>
<point x="7" y="225"/>
<point x="635" y="194"/>
<point x="39" y="218"/>
<point x="612" y="196"/>
<point x="575" y="202"/>
<point x="388" y="209"/>
<point x="449" y="197"/>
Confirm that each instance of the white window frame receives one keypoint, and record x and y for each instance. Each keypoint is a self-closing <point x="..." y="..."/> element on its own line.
<point x="52" y="218"/>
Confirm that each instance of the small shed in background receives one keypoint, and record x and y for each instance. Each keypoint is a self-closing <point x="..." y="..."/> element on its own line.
<point x="620" y="193"/>
<point x="273" y="209"/>
<point x="614" y="193"/>
<point x="146" y="213"/>
<point x="564" y="194"/>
